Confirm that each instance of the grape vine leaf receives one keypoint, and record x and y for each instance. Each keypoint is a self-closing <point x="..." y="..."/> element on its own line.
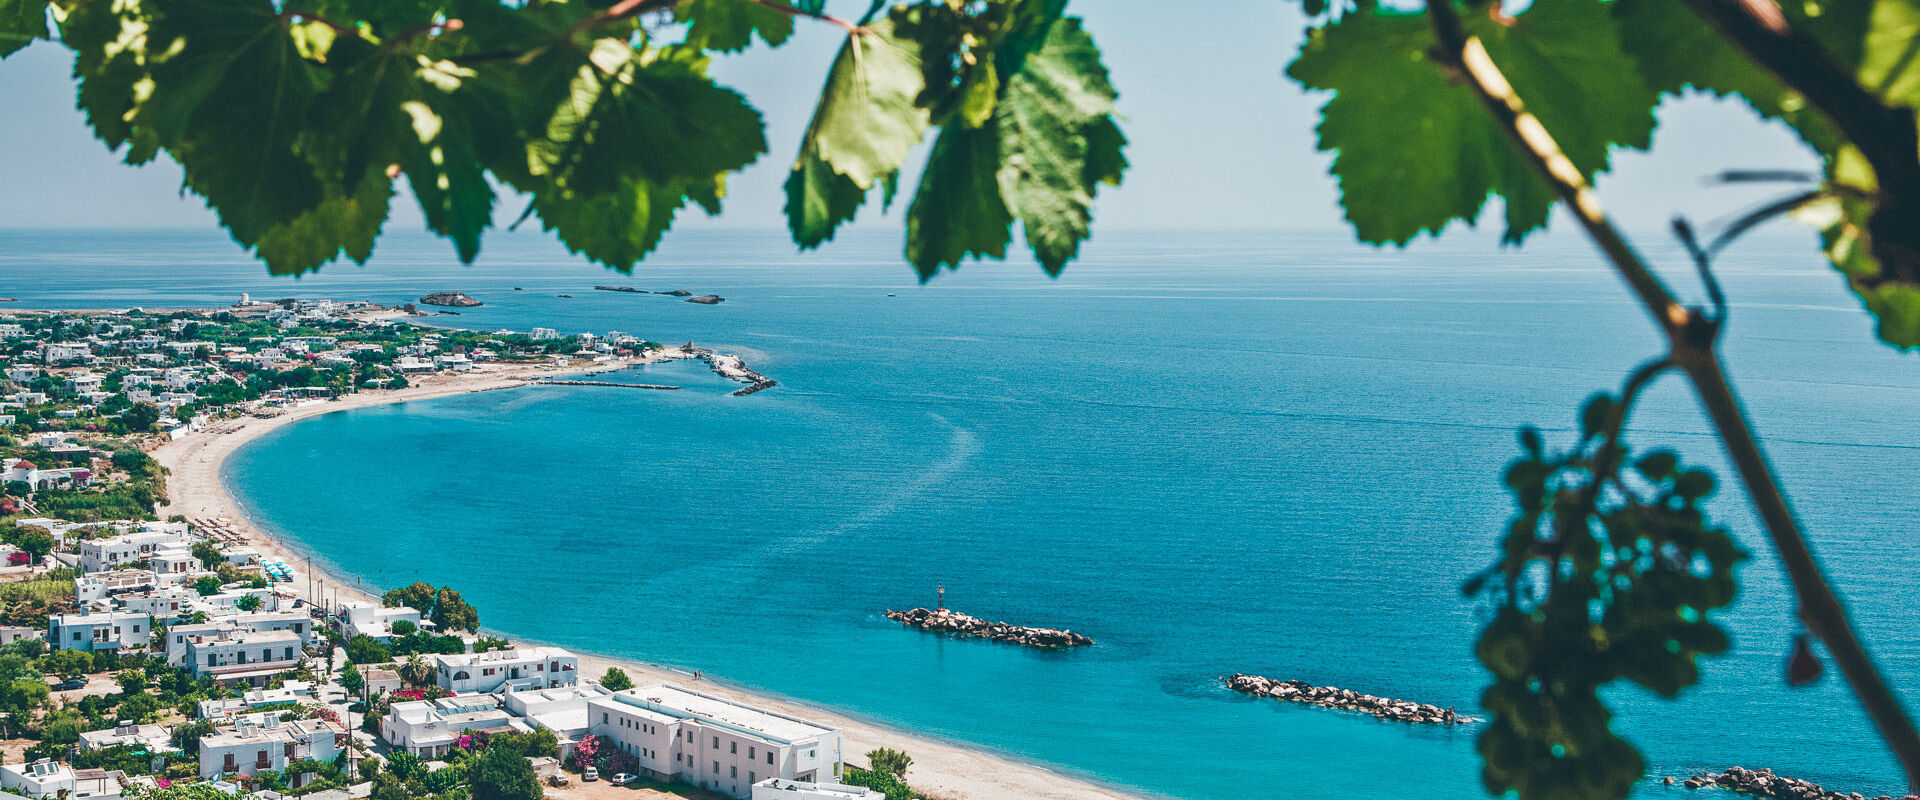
<point x="21" y="22"/>
<point x="730" y="25"/>
<point x="109" y="42"/>
<point x="862" y="130"/>
<point x="1877" y="42"/>
<point x="230" y="97"/>
<point x="650" y="113"/>
<point x="568" y="127"/>
<point x="1416" y="150"/>
<point x="346" y="222"/>
<point x="957" y="211"/>
<point x="1045" y="144"/>
<point x="1058" y="141"/>
<point x="1675" y="50"/>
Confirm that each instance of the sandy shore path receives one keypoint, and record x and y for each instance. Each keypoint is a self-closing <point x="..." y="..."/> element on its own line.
<point x="196" y="489"/>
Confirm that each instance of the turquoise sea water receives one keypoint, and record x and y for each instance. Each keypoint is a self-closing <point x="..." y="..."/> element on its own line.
<point x="1268" y="453"/>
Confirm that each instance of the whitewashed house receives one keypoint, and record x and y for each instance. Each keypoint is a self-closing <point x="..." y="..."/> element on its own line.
<point x="499" y="670"/>
<point x="261" y="742"/>
<point x="82" y="382"/>
<point x="716" y="744"/>
<point x="432" y="728"/>
<point x="46" y="778"/>
<point x="361" y="618"/>
<point x="117" y="552"/>
<point x="154" y="738"/>
<point x="107" y="631"/>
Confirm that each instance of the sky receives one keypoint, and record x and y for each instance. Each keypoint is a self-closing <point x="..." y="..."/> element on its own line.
<point x="1220" y="138"/>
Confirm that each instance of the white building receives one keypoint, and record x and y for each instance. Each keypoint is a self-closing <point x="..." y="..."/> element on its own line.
<point x="562" y="710"/>
<point x="152" y="737"/>
<point x="498" y="670"/>
<point x="361" y="618"/>
<point x="716" y="744"/>
<point x="226" y="709"/>
<point x="60" y="352"/>
<point x="544" y="333"/>
<point x="113" y="630"/>
<point x="104" y="554"/>
<point x="432" y="728"/>
<point x="776" y="789"/>
<point x="46" y="778"/>
<point x="242" y="656"/>
<point x="101" y="586"/>
<point x="262" y="742"/>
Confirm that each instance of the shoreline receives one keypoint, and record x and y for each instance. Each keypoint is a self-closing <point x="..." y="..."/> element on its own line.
<point x="196" y="488"/>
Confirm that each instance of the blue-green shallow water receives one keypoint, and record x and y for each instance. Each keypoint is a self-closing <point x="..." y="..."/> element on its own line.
<point x="1270" y="453"/>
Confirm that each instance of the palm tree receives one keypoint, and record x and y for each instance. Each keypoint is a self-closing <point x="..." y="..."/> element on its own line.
<point x="415" y="671"/>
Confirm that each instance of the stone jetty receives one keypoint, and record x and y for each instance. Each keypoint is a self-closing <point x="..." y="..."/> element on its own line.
<point x="1763" y="783"/>
<point x="947" y="620"/>
<point x="729" y="366"/>
<point x="1345" y="700"/>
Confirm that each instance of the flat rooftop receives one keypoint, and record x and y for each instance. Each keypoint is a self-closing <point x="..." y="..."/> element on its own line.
<point x="675" y="701"/>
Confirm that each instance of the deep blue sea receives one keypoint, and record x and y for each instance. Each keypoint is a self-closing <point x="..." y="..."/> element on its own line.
<point x="1212" y="452"/>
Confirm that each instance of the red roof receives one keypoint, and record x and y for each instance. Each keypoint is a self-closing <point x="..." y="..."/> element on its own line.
<point x="24" y="465"/>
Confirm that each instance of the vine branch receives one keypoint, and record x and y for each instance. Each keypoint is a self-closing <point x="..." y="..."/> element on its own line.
<point x="1884" y="133"/>
<point x="1692" y="337"/>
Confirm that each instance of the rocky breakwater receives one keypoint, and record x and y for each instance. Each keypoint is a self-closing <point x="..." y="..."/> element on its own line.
<point x="947" y="620"/>
<point x="1345" y="700"/>
<point x="454" y="299"/>
<point x="1763" y="783"/>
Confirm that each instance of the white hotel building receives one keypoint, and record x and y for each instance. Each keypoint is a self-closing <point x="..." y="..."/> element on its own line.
<point x="501" y="670"/>
<point x="716" y="744"/>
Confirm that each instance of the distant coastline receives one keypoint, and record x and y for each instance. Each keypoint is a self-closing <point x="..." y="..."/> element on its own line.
<point x="197" y="487"/>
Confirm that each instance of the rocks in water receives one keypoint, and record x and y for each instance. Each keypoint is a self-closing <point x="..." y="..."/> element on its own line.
<point x="1345" y="700"/>
<point x="707" y="299"/>
<point x="947" y="620"/>
<point x="677" y="293"/>
<point x="1763" y="783"/>
<point x="627" y="289"/>
<point x="454" y="299"/>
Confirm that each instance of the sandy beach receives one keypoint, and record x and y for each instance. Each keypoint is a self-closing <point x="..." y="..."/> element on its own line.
<point x="195" y="488"/>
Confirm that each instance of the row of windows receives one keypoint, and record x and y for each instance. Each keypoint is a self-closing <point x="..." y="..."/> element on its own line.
<point x="732" y="746"/>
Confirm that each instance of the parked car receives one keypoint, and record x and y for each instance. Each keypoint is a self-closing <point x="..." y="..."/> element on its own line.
<point x="622" y="779"/>
<point x="70" y="684"/>
<point x="590" y="774"/>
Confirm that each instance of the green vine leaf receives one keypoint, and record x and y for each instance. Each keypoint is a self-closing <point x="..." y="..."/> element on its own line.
<point x="21" y="22"/>
<point x="730" y="25"/>
<point x="1675" y="50"/>
<point x="957" y="212"/>
<point x="1416" y="150"/>
<point x="230" y="98"/>
<point x="1038" y="153"/>
<point x="1058" y="141"/>
<point x="862" y="130"/>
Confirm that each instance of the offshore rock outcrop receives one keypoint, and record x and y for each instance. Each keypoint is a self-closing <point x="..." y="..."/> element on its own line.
<point x="454" y="299"/>
<point x="1763" y="783"/>
<point x="1345" y="700"/>
<point x="947" y="620"/>
<point x="707" y="299"/>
